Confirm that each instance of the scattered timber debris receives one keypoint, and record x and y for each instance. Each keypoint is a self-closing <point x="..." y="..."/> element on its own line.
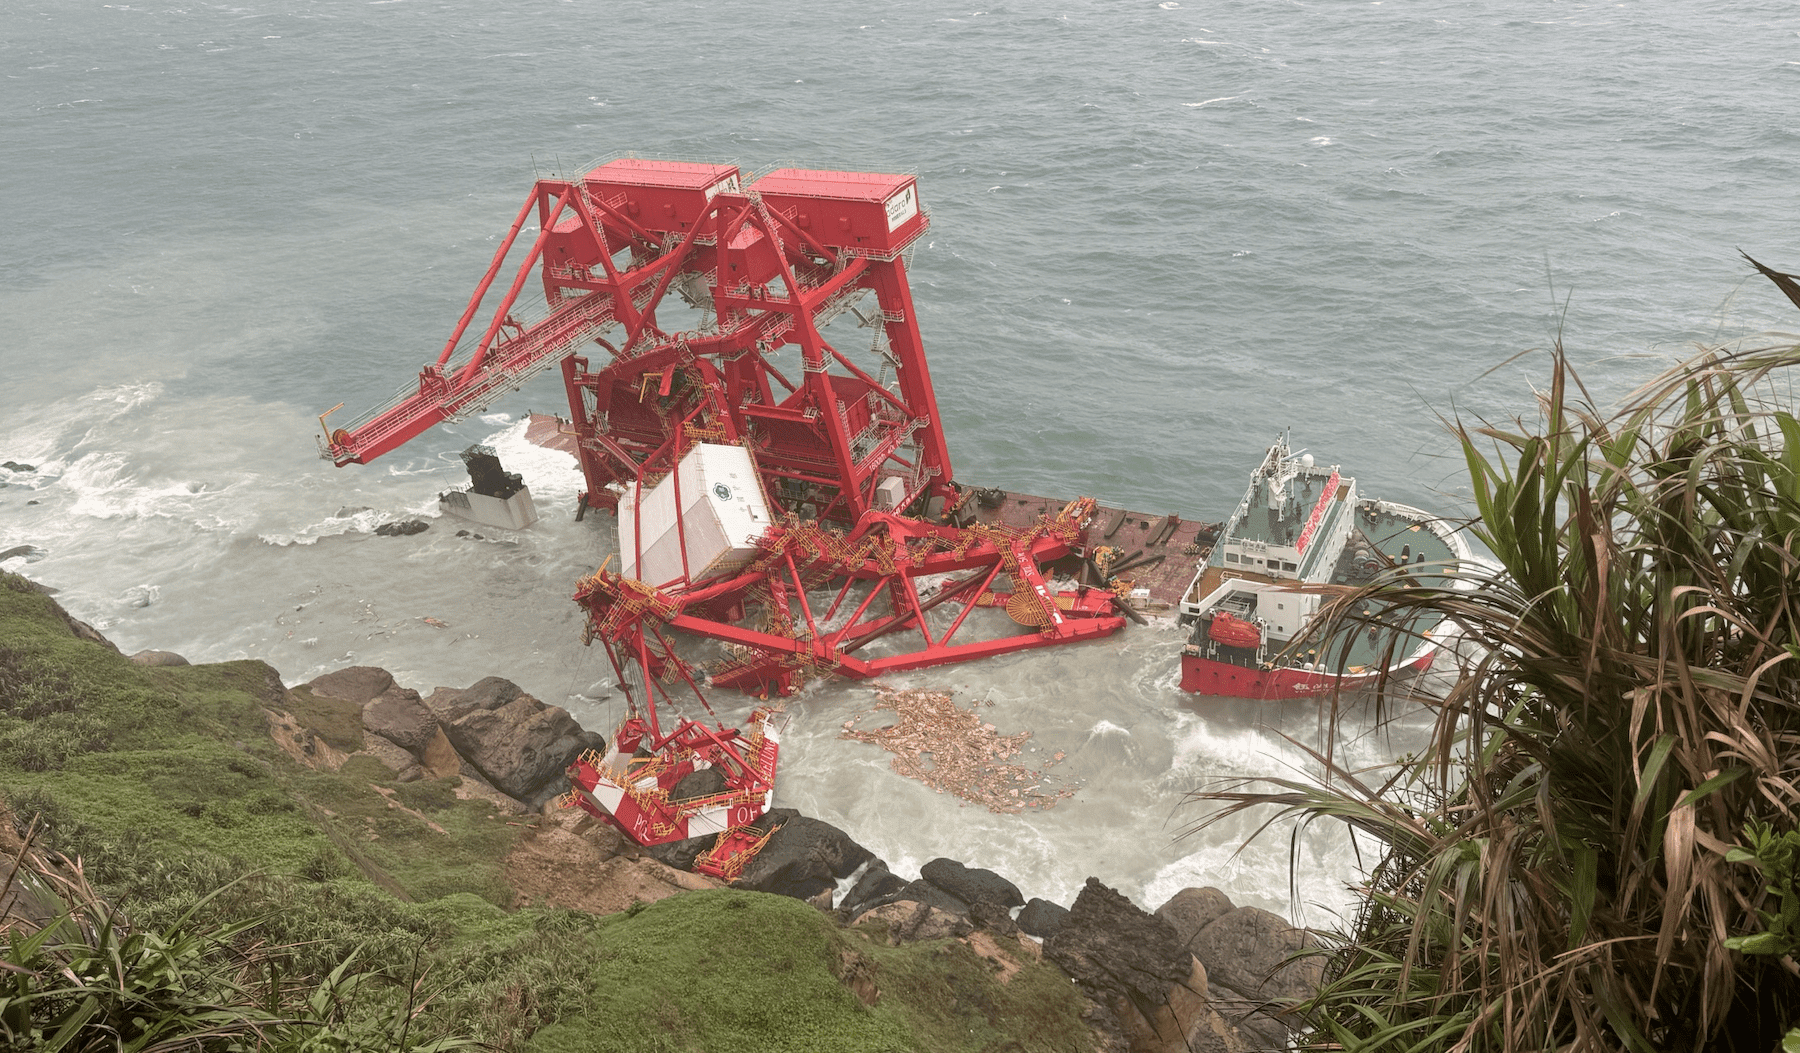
<point x="951" y="750"/>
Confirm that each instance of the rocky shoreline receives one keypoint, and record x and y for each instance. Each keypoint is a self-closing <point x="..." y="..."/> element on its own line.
<point x="1198" y="973"/>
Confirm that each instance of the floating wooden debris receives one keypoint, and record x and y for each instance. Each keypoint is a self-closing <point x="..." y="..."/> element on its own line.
<point x="951" y="750"/>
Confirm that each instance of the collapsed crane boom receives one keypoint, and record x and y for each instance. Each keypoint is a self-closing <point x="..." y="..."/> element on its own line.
<point x="846" y="466"/>
<point x="770" y="264"/>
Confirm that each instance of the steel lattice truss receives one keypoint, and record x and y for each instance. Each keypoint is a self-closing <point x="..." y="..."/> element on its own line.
<point x="853" y="465"/>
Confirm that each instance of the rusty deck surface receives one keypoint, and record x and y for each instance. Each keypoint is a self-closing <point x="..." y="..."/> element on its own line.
<point x="1164" y="567"/>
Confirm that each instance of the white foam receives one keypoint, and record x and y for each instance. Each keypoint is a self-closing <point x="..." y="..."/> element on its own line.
<point x="361" y="522"/>
<point x="104" y="487"/>
<point x="552" y="474"/>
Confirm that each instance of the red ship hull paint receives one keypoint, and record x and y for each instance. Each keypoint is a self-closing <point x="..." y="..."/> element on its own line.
<point x="1201" y="676"/>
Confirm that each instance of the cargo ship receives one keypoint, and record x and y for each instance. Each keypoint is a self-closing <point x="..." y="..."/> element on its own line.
<point x="1300" y="538"/>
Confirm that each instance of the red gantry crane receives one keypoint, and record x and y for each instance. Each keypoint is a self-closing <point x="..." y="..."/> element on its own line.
<point x="746" y="494"/>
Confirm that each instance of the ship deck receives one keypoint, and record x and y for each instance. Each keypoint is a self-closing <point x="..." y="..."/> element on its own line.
<point x="1398" y="539"/>
<point x="1165" y="557"/>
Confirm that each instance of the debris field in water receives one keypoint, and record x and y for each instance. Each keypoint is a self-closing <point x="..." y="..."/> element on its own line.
<point x="950" y="749"/>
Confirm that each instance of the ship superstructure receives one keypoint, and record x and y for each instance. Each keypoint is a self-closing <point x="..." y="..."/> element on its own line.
<point x="1300" y="537"/>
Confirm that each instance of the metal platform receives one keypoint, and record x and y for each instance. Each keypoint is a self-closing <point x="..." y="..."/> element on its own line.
<point x="1164" y="567"/>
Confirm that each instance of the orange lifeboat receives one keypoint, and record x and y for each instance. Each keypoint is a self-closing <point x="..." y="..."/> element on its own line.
<point x="1233" y="631"/>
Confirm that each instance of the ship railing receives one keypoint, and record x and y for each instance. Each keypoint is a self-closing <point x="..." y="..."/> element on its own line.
<point x="581" y="318"/>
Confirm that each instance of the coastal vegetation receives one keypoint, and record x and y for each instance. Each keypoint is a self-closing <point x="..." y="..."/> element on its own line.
<point x="1597" y="850"/>
<point x="171" y="878"/>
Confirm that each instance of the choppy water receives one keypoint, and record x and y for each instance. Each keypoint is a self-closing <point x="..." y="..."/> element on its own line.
<point x="1160" y="232"/>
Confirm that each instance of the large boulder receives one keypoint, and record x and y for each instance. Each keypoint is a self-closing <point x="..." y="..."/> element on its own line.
<point x="922" y="891"/>
<point x="1110" y="946"/>
<point x="1249" y="951"/>
<point x="1193" y="909"/>
<point x="358" y="683"/>
<point x="971" y="884"/>
<point x="401" y="762"/>
<point x="1042" y="918"/>
<point x="1122" y="958"/>
<point x="876" y="885"/>
<point x="1188" y="1022"/>
<point x="701" y="782"/>
<point x="521" y="745"/>
<point x="399" y="715"/>
<point x="488" y="693"/>
<point x="1258" y="956"/>
<point x="804" y="857"/>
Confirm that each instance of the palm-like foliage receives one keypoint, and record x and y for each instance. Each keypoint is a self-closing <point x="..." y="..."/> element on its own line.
<point x="77" y="977"/>
<point x="1553" y="871"/>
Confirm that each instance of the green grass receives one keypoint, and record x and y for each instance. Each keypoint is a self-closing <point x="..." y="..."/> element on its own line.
<point x="727" y="969"/>
<point x="337" y="721"/>
<point x="179" y="757"/>
<point x="950" y="999"/>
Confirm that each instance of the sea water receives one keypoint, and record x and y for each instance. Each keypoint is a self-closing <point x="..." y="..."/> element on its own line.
<point x="1160" y="233"/>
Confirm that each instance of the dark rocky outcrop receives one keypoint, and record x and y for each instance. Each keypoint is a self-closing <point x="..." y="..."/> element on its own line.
<point x="971" y="884"/>
<point x="701" y="782"/>
<point x="1252" y="973"/>
<point x="518" y="743"/>
<point x="1111" y="947"/>
<point x="877" y="885"/>
<point x="989" y="916"/>
<point x="803" y="858"/>
<point x="402" y="527"/>
<point x="1042" y="918"/>
<point x="401" y="716"/>
<point x="681" y="854"/>
<point x="922" y="891"/>
<point x="1131" y="964"/>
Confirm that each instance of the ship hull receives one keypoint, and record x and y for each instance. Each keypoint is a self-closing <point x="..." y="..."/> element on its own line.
<point x="1205" y="676"/>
